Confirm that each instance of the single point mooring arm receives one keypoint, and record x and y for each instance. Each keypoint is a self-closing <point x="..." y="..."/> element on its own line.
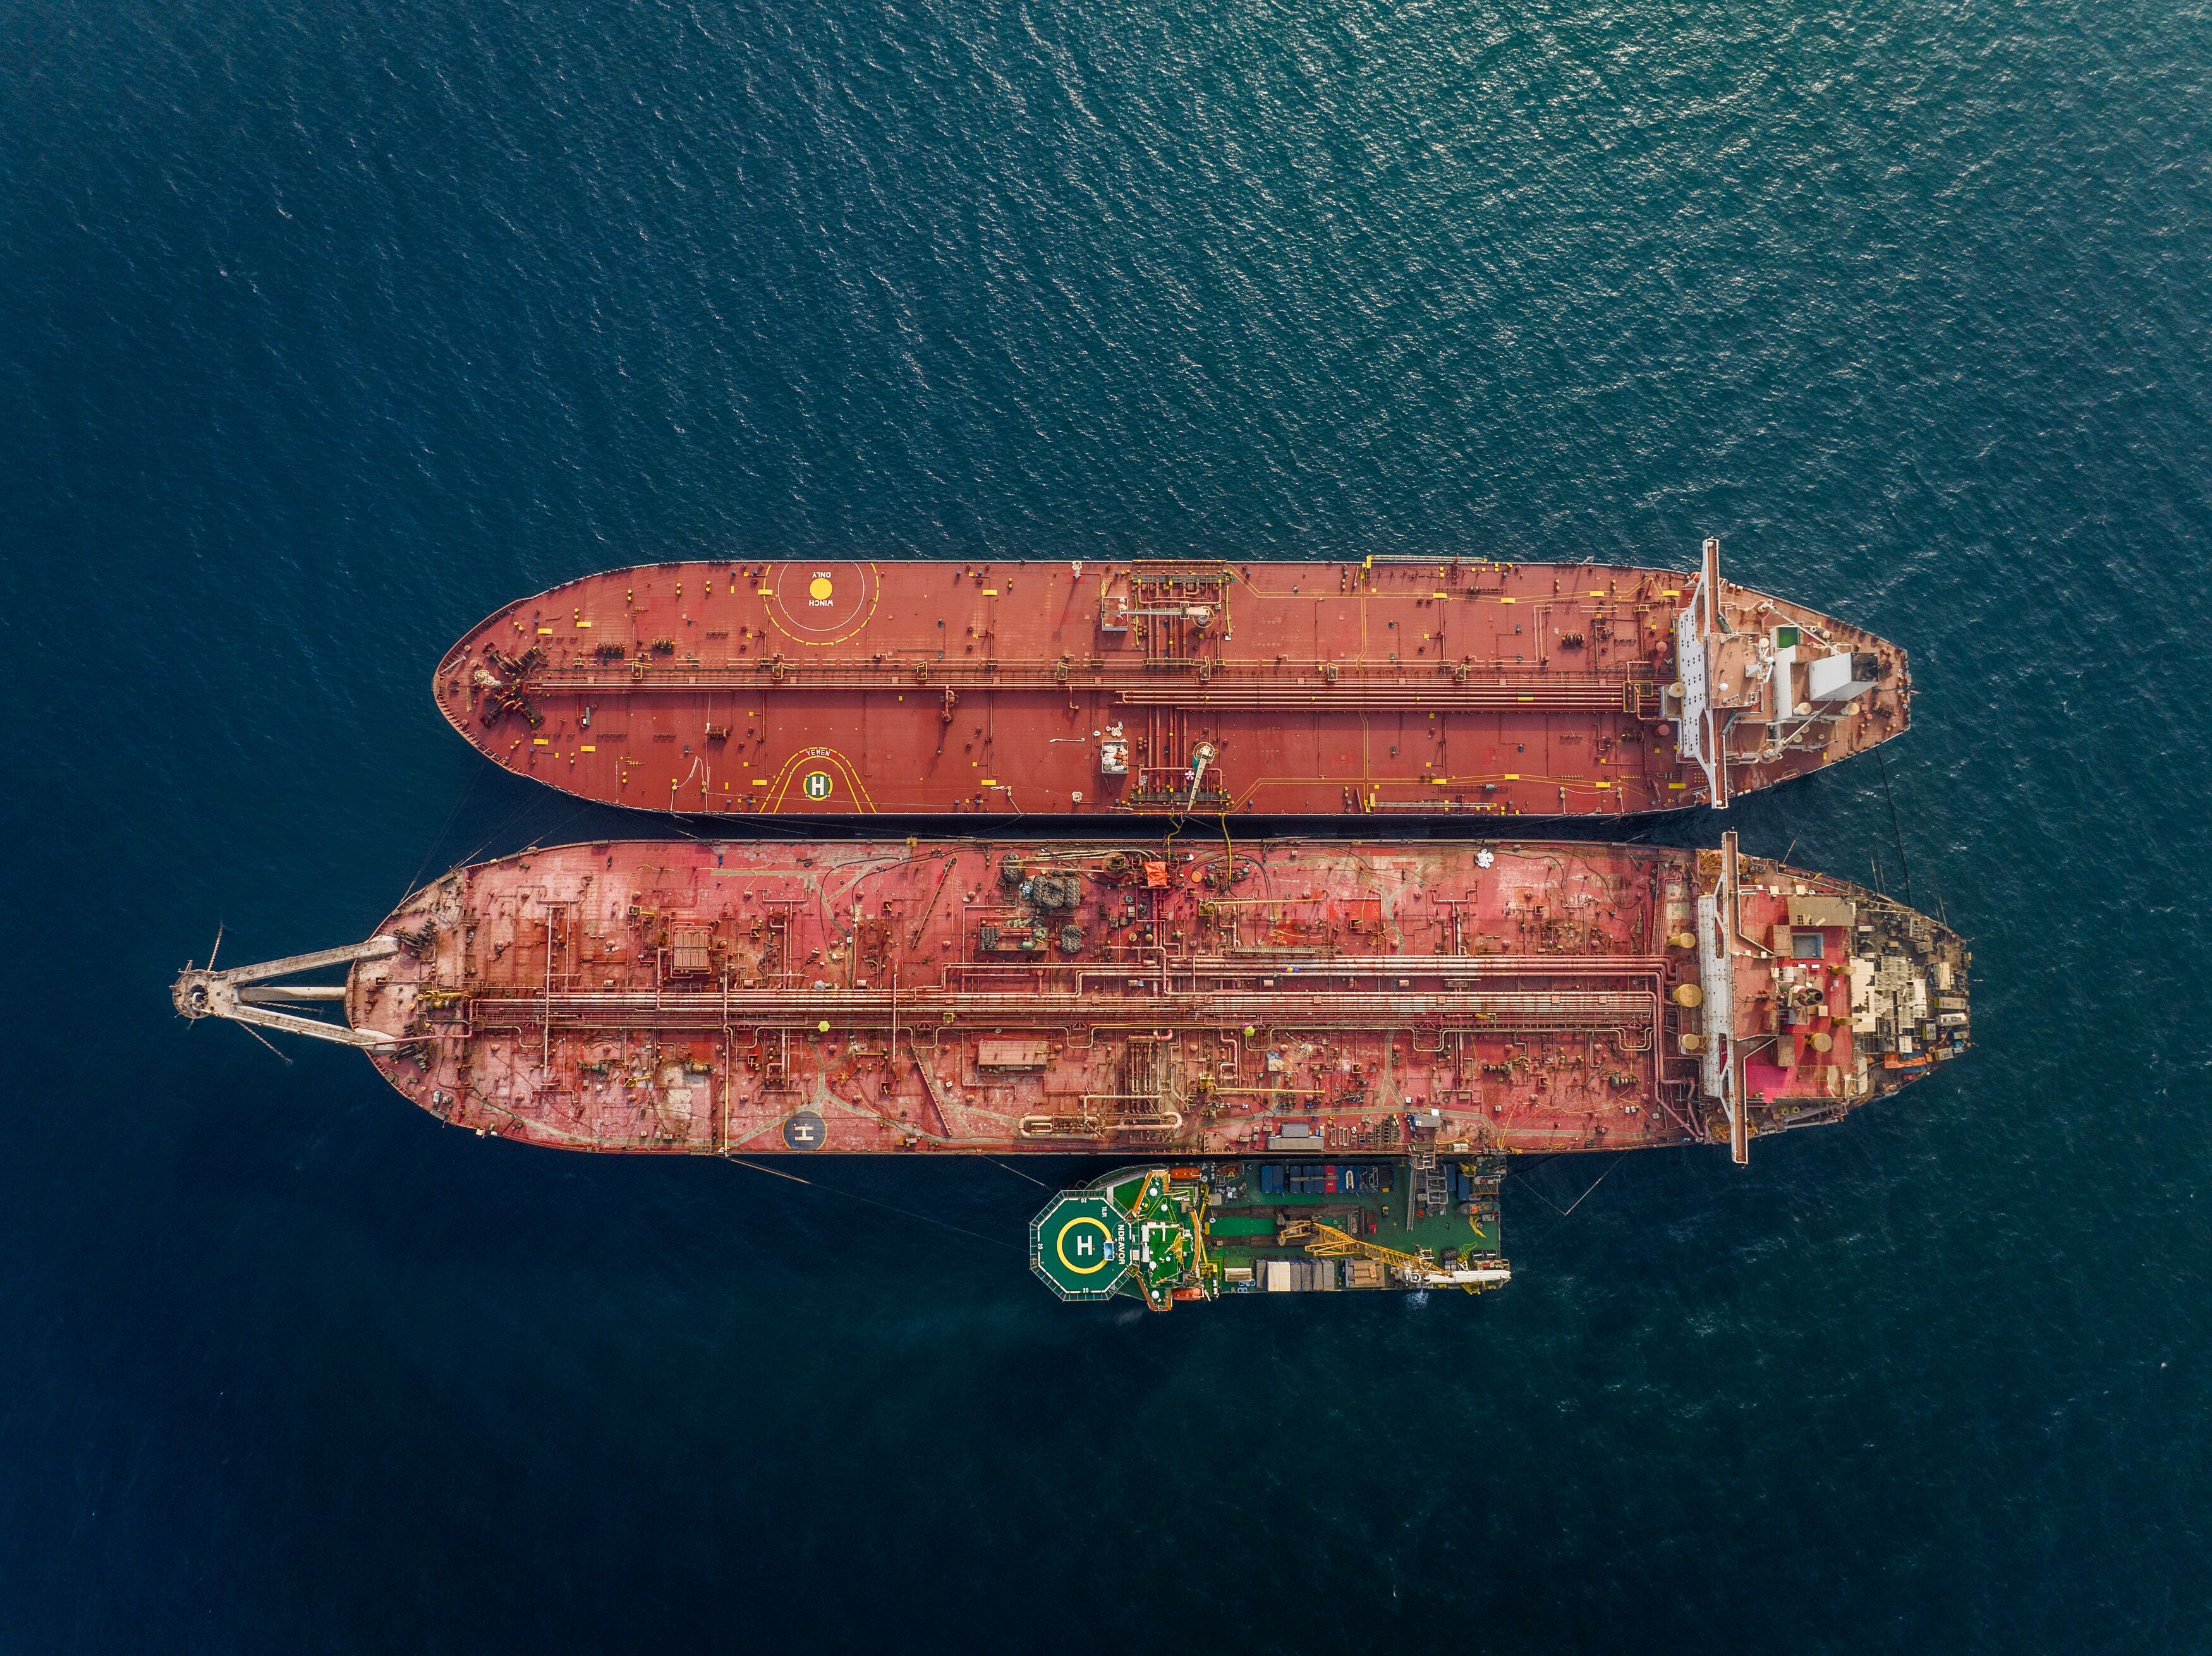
<point x="200" y="993"/>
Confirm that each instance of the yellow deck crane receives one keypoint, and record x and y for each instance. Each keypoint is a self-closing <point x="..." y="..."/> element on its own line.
<point x="1416" y="1270"/>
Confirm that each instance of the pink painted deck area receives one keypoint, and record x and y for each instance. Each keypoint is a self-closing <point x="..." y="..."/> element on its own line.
<point x="998" y="997"/>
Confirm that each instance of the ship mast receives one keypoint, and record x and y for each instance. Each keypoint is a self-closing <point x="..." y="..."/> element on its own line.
<point x="1705" y="737"/>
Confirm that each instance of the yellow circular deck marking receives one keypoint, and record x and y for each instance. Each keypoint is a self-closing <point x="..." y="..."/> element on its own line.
<point x="1060" y="1244"/>
<point x="791" y="772"/>
<point x="821" y="605"/>
<point x="817" y="784"/>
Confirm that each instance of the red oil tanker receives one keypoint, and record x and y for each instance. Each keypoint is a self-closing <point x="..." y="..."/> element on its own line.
<point x="1415" y="1006"/>
<point x="1409" y="686"/>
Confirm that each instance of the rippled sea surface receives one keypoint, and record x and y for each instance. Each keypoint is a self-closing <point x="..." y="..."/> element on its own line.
<point x="325" y="329"/>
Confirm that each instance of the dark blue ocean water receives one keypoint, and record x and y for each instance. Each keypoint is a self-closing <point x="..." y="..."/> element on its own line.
<point x="325" y="328"/>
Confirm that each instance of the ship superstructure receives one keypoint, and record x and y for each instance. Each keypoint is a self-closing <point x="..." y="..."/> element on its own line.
<point x="1380" y="688"/>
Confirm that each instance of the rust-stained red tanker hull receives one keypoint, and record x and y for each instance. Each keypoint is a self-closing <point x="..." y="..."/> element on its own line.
<point x="998" y="996"/>
<point x="1090" y="690"/>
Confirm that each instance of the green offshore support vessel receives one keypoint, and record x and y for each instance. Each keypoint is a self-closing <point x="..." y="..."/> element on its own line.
<point x="1162" y="1234"/>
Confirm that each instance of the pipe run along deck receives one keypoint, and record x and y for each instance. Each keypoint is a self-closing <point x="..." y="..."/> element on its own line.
<point x="1379" y="688"/>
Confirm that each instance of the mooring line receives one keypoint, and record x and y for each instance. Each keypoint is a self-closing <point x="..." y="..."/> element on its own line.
<point x="1563" y="1211"/>
<point x="444" y="828"/>
<point x="1895" y="830"/>
<point x="854" y="1196"/>
<point x="1595" y="1183"/>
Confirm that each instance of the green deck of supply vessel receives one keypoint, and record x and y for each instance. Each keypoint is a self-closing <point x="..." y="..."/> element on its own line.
<point x="1160" y="1234"/>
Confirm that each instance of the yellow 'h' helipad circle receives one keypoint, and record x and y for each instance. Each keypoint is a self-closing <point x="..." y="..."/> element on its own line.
<point x="1059" y="1244"/>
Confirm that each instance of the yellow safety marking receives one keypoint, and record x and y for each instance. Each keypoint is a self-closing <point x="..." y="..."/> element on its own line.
<point x="539" y="741"/>
<point x="1059" y="1244"/>
<point x="587" y="747"/>
<point x="810" y="757"/>
<point x="545" y="632"/>
<point x="1513" y="776"/>
<point x="1439" y="595"/>
<point x="1671" y="592"/>
<point x="1596" y="593"/>
<point x="583" y="623"/>
<point x="875" y="599"/>
<point x="989" y="781"/>
<point x="1505" y="600"/>
<point x="819" y="589"/>
<point x="1677" y="785"/>
<point x="991" y="592"/>
<point x="1528" y="698"/>
<point x="1604" y="785"/>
